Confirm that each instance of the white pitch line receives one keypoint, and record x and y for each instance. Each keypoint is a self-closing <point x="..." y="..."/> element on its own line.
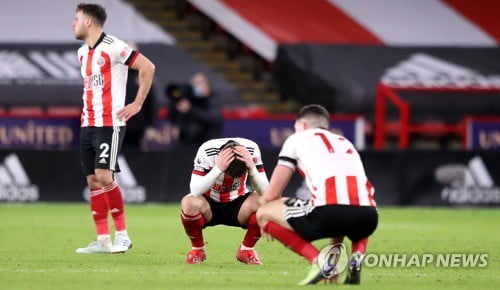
<point x="121" y="271"/>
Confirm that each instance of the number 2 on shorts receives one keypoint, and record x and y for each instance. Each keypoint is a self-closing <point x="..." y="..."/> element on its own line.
<point x="105" y="148"/>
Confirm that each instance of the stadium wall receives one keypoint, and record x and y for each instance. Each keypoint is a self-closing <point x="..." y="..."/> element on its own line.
<point x="344" y="78"/>
<point x="48" y="74"/>
<point x="401" y="178"/>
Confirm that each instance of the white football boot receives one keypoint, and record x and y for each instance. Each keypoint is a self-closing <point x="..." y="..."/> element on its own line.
<point x="121" y="244"/>
<point x="101" y="246"/>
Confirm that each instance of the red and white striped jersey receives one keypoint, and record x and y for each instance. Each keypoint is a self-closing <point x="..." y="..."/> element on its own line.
<point x="104" y="69"/>
<point x="331" y="166"/>
<point x="225" y="188"/>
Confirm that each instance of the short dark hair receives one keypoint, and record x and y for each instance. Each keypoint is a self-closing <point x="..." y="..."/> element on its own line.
<point x="317" y="113"/>
<point x="237" y="167"/>
<point x="95" y="11"/>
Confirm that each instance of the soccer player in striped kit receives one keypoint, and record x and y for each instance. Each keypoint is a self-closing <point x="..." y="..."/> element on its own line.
<point x="219" y="195"/>
<point x="341" y="202"/>
<point x="104" y="63"/>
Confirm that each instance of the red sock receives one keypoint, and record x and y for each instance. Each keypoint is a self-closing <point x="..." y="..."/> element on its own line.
<point x="193" y="225"/>
<point x="292" y="240"/>
<point x="360" y="246"/>
<point x="253" y="232"/>
<point x="99" y="208"/>
<point x="116" y="205"/>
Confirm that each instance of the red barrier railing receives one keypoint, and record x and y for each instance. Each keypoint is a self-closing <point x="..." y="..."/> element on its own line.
<point x="386" y="94"/>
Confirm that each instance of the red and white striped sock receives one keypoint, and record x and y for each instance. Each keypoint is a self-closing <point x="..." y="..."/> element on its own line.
<point x="99" y="208"/>
<point x="116" y="205"/>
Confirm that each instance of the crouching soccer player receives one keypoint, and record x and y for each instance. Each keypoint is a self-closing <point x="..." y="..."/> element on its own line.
<point x="219" y="195"/>
<point x="341" y="201"/>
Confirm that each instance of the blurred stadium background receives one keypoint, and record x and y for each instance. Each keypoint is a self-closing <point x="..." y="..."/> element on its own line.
<point x="414" y="84"/>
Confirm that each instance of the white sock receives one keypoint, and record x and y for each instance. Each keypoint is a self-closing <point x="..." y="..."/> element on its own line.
<point x="198" y="248"/>
<point x="242" y="247"/>
<point x="124" y="232"/>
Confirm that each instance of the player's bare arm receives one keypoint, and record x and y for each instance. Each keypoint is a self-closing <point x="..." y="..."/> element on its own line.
<point x="146" y="73"/>
<point x="280" y="178"/>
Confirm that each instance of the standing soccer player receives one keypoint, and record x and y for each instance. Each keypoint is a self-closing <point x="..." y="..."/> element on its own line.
<point x="341" y="202"/>
<point x="219" y="195"/>
<point x="104" y="66"/>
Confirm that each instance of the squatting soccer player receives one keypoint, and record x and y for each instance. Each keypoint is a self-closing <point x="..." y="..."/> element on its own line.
<point x="341" y="201"/>
<point x="104" y="63"/>
<point x="219" y="195"/>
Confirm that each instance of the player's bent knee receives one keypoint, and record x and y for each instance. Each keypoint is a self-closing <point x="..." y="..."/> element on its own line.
<point x="250" y="205"/>
<point x="191" y="205"/>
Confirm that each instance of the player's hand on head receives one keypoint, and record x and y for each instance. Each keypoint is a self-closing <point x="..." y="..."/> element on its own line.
<point x="128" y="111"/>
<point x="224" y="158"/>
<point x="243" y="155"/>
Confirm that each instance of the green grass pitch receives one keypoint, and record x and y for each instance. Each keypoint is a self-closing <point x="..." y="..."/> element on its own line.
<point x="37" y="244"/>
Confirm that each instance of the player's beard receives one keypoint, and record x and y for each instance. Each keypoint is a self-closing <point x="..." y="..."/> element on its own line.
<point x="80" y="34"/>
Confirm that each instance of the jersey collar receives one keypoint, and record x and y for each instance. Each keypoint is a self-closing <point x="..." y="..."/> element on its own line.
<point x="98" y="40"/>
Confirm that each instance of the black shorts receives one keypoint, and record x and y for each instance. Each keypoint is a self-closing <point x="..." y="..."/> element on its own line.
<point x="226" y="213"/>
<point x="329" y="221"/>
<point x="99" y="148"/>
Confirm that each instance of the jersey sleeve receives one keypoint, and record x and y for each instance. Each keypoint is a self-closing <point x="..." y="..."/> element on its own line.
<point x="257" y="158"/>
<point x="204" y="173"/>
<point x="122" y="53"/>
<point x="201" y="164"/>
<point x="258" y="177"/>
<point x="288" y="155"/>
<point x="79" y="55"/>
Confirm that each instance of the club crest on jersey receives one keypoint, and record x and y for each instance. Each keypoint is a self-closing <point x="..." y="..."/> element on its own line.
<point x="101" y="61"/>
